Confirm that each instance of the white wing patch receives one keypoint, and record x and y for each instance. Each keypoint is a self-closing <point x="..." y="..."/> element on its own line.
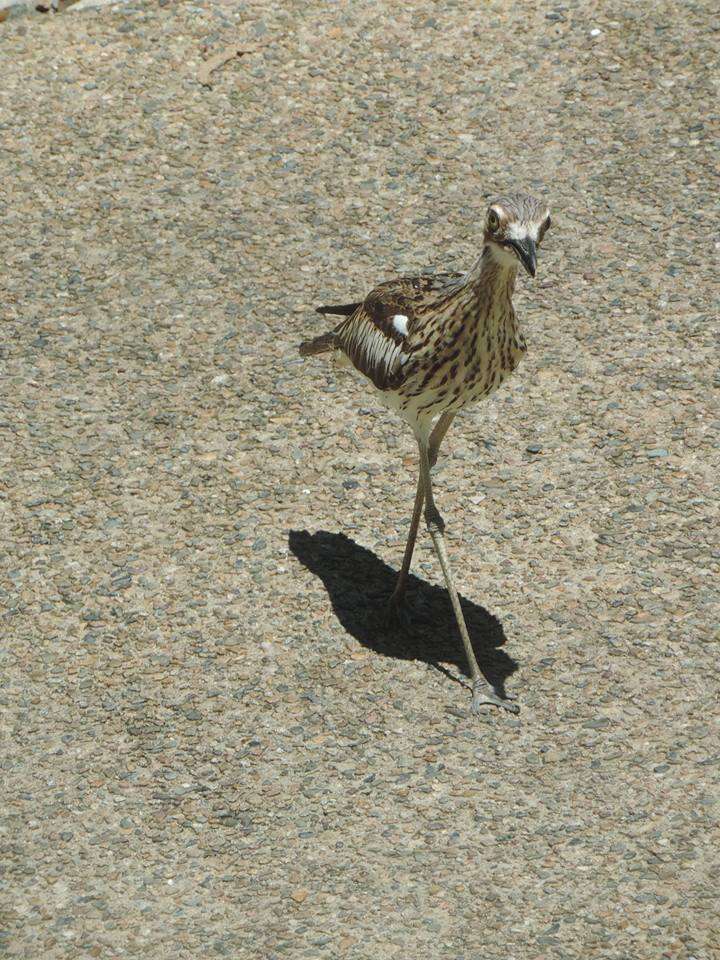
<point x="381" y="352"/>
<point x="373" y="352"/>
<point x="400" y="322"/>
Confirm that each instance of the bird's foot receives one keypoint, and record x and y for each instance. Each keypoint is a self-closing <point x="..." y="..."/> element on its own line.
<point x="483" y="695"/>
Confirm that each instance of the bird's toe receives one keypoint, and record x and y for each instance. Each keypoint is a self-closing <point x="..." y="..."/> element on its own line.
<point x="483" y="696"/>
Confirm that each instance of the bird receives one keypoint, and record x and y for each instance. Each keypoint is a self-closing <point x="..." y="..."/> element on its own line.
<point x="432" y="344"/>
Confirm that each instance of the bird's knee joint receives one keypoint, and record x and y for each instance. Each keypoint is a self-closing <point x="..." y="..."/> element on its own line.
<point x="434" y="522"/>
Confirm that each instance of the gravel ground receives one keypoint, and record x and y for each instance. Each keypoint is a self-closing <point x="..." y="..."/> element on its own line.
<point x="211" y="745"/>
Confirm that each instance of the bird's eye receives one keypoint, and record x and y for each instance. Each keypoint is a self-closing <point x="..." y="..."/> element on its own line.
<point x="493" y="220"/>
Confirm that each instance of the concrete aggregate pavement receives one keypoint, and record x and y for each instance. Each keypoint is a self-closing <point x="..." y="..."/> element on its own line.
<point x="211" y="746"/>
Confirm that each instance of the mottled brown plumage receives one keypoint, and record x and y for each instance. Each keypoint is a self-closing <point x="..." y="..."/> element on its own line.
<point x="430" y="345"/>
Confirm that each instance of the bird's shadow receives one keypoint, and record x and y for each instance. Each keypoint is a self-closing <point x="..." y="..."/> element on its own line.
<point x="359" y="584"/>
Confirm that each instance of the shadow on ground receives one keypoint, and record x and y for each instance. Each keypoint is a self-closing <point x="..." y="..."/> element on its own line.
<point x="359" y="583"/>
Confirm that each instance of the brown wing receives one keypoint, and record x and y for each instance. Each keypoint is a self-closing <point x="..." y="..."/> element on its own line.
<point x="378" y="337"/>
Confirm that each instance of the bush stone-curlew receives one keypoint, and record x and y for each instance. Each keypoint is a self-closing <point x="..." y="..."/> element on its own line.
<point x="431" y="345"/>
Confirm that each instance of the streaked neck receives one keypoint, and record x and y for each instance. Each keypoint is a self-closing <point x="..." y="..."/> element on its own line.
<point x="489" y="288"/>
<point x="486" y="274"/>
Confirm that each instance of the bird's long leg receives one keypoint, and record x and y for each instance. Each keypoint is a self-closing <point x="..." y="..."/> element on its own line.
<point x="395" y="603"/>
<point x="436" y="438"/>
<point x="482" y="692"/>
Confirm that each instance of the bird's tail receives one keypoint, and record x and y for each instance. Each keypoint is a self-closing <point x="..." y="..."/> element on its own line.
<point x="321" y="344"/>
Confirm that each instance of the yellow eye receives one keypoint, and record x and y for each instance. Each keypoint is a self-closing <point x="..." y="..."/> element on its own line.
<point x="493" y="221"/>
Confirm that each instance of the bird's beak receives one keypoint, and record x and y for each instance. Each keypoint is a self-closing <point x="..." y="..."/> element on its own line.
<point x="527" y="253"/>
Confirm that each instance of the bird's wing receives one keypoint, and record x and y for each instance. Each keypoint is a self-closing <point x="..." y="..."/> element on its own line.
<point x="343" y="309"/>
<point x="378" y="336"/>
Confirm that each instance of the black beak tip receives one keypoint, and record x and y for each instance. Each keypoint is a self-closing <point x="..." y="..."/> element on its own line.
<point x="527" y="254"/>
<point x="529" y="257"/>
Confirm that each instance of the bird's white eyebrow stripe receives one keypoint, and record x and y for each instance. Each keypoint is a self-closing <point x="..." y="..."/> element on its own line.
<point x="400" y="322"/>
<point x="519" y="231"/>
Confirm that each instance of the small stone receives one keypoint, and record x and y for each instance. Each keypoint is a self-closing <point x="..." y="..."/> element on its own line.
<point x="300" y="895"/>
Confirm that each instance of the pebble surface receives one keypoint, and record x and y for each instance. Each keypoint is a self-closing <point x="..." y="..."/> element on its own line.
<point x="211" y="747"/>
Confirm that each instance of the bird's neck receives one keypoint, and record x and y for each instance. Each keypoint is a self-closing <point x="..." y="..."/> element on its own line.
<point x="490" y="280"/>
<point x="486" y="293"/>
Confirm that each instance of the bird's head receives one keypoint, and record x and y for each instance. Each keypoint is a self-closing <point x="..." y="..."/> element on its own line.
<point x="514" y="229"/>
